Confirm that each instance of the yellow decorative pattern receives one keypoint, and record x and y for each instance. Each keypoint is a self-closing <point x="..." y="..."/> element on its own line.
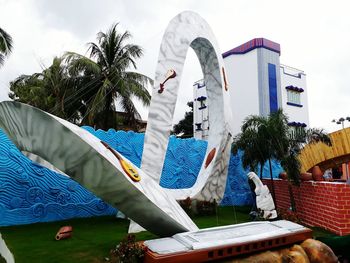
<point x="325" y="156"/>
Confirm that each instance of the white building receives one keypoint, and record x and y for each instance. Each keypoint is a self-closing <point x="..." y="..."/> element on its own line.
<point x="294" y="95"/>
<point x="200" y="111"/>
<point x="258" y="85"/>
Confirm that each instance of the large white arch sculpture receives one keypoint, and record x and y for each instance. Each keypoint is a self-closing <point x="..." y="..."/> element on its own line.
<point x="186" y="30"/>
<point x="85" y="159"/>
<point x="80" y="155"/>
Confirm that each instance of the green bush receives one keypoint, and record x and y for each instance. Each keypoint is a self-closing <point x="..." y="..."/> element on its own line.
<point x="128" y="251"/>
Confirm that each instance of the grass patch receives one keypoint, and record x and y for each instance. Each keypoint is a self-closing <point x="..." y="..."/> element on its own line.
<point x="94" y="237"/>
<point x="91" y="241"/>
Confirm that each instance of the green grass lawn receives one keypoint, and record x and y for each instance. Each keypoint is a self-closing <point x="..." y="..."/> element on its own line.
<point x="93" y="237"/>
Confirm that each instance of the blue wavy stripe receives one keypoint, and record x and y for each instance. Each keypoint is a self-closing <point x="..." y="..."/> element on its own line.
<point x="30" y="193"/>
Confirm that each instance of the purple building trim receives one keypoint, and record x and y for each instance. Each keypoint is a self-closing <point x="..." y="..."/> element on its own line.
<point x="293" y="88"/>
<point x="253" y="44"/>
<point x="297" y="124"/>
<point x="294" y="104"/>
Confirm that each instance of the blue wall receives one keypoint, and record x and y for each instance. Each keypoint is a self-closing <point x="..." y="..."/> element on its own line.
<point x="31" y="193"/>
<point x="273" y="87"/>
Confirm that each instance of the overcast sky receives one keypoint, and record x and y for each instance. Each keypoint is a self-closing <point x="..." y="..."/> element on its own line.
<point x="314" y="36"/>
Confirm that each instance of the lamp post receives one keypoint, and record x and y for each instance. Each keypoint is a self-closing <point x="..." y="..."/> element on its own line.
<point x="341" y="121"/>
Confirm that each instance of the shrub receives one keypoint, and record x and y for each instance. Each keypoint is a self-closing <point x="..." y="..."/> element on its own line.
<point x="206" y="208"/>
<point x="195" y="207"/>
<point x="187" y="206"/>
<point x="288" y="214"/>
<point x="128" y="251"/>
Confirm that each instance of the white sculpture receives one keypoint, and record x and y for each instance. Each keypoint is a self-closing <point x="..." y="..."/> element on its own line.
<point x="189" y="30"/>
<point x="264" y="201"/>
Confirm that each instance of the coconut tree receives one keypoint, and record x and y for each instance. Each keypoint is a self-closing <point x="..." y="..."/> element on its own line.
<point x="52" y="90"/>
<point x="110" y="83"/>
<point x="5" y="45"/>
<point x="258" y="140"/>
<point x="185" y="126"/>
<point x="298" y="139"/>
<point x="263" y="138"/>
<point x="254" y="154"/>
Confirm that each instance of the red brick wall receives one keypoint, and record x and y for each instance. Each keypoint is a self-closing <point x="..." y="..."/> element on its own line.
<point x="323" y="204"/>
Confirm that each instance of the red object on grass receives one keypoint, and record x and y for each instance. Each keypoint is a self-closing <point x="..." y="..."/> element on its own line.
<point x="64" y="232"/>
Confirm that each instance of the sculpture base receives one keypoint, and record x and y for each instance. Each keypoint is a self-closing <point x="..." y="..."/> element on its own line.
<point x="223" y="242"/>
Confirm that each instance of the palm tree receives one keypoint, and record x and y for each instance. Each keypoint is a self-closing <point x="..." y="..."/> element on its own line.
<point x="52" y="90"/>
<point x="264" y="138"/>
<point x="184" y="128"/>
<point x="298" y="139"/>
<point x="110" y="84"/>
<point x="5" y="45"/>
<point x="259" y="139"/>
<point x="254" y="154"/>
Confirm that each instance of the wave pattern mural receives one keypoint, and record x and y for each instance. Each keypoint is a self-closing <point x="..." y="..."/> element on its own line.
<point x="31" y="193"/>
<point x="183" y="158"/>
<point x="237" y="190"/>
<point x="183" y="161"/>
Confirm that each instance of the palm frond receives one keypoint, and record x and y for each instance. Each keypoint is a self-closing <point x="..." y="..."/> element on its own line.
<point x="6" y="43"/>
<point x="137" y="84"/>
<point x="253" y="122"/>
<point x="98" y="54"/>
<point x="128" y="54"/>
<point x="79" y="62"/>
<point x="291" y="165"/>
<point x="315" y="135"/>
<point x="98" y="104"/>
<point x="2" y="59"/>
<point x="129" y="107"/>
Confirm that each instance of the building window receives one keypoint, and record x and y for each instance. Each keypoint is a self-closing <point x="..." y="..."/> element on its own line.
<point x="293" y="97"/>
<point x="296" y="129"/>
<point x="272" y="87"/>
<point x="198" y="126"/>
<point x="202" y="102"/>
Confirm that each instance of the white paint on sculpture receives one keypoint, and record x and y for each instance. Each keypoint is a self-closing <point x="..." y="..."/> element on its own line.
<point x="264" y="201"/>
<point x="146" y="185"/>
<point x="5" y="252"/>
<point x="186" y="30"/>
<point x="85" y="159"/>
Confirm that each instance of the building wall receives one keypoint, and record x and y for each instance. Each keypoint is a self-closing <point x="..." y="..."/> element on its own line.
<point x="321" y="204"/>
<point x="257" y="84"/>
<point x="297" y="78"/>
<point x="249" y="77"/>
<point x="200" y="111"/>
<point x="268" y="60"/>
<point x="243" y="81"/>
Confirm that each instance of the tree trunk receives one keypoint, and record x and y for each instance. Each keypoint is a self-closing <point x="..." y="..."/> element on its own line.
<point x="291" y="196"/>
<point x="272" y="184"/>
